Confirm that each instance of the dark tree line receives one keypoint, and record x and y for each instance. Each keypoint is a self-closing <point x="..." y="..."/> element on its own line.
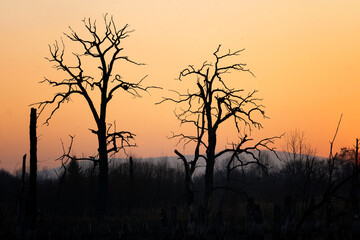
<point x="140" y="197"/>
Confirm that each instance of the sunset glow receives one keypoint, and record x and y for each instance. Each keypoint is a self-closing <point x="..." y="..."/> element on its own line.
<point x="304" y="56"/>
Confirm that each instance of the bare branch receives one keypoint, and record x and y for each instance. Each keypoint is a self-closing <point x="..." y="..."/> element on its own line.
<point x="332" y="142"/>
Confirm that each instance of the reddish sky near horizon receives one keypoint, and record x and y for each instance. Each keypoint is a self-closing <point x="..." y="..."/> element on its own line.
<point x="304" y="54"/>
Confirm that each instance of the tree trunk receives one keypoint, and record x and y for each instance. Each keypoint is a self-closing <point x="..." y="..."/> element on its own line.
<point x="33" y="170"/>
<point x="353" y="194"/>
<point x="131" y="183"/>
<point x="131" y="173"/>
<point x="22" y="194"/>
<point x="103" y="174"/>
<point x="189" y="192"/>
<point x="209" y="172"/>
<point x="23" y="172"/>
<point x="227" y="186"/>
<point x="190" y="199"/>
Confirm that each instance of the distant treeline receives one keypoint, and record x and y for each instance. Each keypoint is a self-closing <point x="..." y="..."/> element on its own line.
<point x="287" y="194"/>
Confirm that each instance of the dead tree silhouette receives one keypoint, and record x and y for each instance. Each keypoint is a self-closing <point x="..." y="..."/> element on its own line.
<point x="210" y="106"/>
<point x="32" y="198"/>
<point x="105" y="47"/>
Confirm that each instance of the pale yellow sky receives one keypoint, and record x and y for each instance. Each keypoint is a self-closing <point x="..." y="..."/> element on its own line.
<point x="304" y="54"/>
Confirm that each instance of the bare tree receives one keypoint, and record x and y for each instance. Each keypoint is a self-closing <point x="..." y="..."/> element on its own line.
<point x="299" y="159"/>
<point x="297" y="146"/>
<point x="302" y="169"/>
<point x="210" y="106"/>
<point x="104" y="47"/>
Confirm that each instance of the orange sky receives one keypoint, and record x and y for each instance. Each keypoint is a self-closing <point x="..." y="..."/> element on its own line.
<point x="305" y="56"/>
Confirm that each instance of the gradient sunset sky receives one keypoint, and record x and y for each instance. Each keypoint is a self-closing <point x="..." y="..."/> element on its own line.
<point x="305" y="56"/>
